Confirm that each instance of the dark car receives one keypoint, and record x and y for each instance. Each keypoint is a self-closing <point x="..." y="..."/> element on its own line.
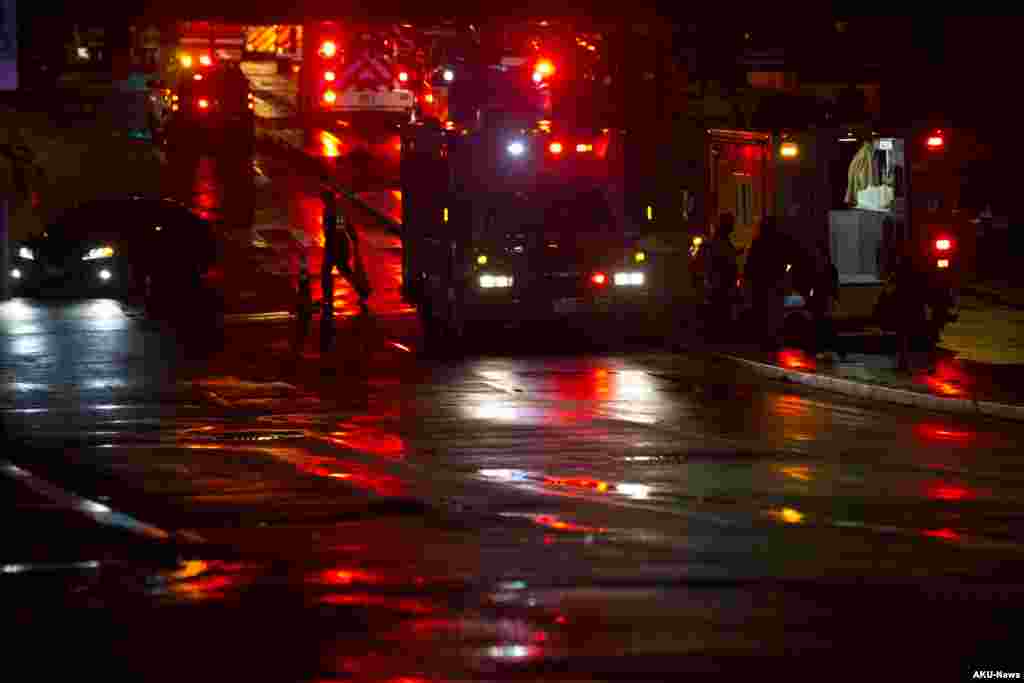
<point x="216" y="101"/>
<point x="129" y="247"/>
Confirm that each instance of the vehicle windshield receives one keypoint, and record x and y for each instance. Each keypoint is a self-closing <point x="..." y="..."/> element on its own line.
<point x="568" y="211"/>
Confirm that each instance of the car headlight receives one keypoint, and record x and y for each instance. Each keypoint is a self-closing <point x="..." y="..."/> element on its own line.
<point x="27" y="254"/>
<point x="98" y="252"/>
<point x="634" y="279"/>
<point x="495" y="281"/>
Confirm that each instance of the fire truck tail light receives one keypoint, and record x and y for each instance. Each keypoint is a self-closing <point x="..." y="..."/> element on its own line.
<point x="943" y="244"/>
<point x="203" y="103"/>
<point x="936" y="141"/>
<point x="328" y="48"/>
<point x="942" y="263"/>
<point x="555" y="148"/>
<point x="599" y="279"/>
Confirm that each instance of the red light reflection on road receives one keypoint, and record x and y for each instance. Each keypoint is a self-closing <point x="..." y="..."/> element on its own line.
<point x="553" y="522"/>
<point x="369" y="439"/>
<point x="578" y="482"/>
<point x="347" y="577"/>
<point x="795" y="359"/>
<point x="330" y="145"/>
<point x="944" y="534"/>
<point x="940" y="433"/>
<point x="406" y="605"/>
<point x="949" y="492"/>
<point x="354" y="474"/>
<point x="948" y="379"/>
<point x="791" y="405"/>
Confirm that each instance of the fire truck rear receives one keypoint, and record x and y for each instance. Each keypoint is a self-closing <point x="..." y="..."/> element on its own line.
<point x="511" y="215"/>
<point x="354" y="71"/>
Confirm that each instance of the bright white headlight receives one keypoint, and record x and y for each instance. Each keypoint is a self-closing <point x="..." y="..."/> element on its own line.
<point x="26" y="254"/>
<point x="634" y="279"/>
<point x="516" y="148"/>
<point x="495" y="281"/>
<point x="98" y="252"/>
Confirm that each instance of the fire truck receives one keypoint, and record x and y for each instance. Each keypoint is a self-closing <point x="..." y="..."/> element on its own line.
<point x="200" y="43"/>
<point x="279" y="42"/>
<point x="858" y="198"/>
<point x="513" y="210"/>
<point x="356" y="70"/>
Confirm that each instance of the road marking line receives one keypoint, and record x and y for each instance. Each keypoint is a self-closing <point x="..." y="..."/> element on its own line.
<point x="98" y="512"/>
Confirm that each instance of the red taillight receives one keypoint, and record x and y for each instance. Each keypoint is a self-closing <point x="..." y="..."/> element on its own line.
<point x="403" y="76"/>
<point x="203" y="103"/>
<point x="198" y="77"/>
<point x="943" y="244"/>
<point x="205" y="60"/>
<point x="555" y="148"/>
<point x="328" y="48"/>
<point x="329" y="76"/>
<point x="599" y="279"/>
<point x="936" y="141"/>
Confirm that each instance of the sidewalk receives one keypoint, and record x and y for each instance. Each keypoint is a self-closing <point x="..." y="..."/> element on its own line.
<point x="959" y="379"/>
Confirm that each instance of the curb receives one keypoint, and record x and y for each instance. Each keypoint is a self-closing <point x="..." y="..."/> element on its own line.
<point x="991" y="296"/>
<point x="876" y="392"/>
<point x="390" y="224"/>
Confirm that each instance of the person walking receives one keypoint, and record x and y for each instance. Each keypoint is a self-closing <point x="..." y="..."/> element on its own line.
<point x="339" y="248"/>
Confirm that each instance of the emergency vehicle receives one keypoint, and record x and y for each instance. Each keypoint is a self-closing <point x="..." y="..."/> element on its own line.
<point x="857" y="198"/>
<point x="355" y="70"/>
<point x="201" y="43"/>
<point x="279" y="42"/>
<point x="512" y="214"/>
<point x="214" y="100"/>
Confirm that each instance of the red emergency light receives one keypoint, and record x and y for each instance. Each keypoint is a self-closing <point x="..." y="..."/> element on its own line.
<point x="599" y="279"/>
<point x="205" y="60"/>
<point x="555" y="148"/>
<point x="403" y="76"/>
<point x="542" y="70"/>
<point x="330" y="97"/>
<point x="328" y="48"/>
<point x="203" y="103"/>
<point x="943" y="244"/>
<point x="936" y="140"/>
<point x="329" y="76"/>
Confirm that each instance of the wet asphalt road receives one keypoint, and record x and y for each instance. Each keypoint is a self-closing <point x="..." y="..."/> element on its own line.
<point x="217" y="503"/>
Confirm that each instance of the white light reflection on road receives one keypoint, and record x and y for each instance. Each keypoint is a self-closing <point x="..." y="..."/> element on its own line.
<point x="635" y="491"/>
